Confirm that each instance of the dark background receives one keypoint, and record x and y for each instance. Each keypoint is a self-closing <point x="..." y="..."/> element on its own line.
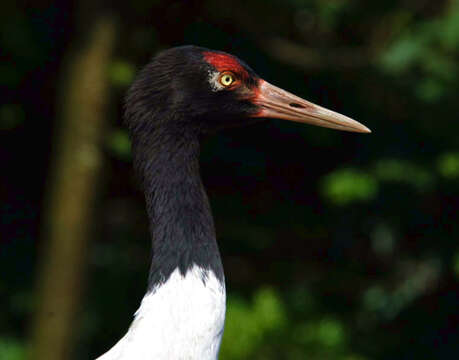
<point x="335" y="245"/>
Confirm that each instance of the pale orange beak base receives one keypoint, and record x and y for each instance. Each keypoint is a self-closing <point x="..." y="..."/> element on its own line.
<point x="280" y="104"/>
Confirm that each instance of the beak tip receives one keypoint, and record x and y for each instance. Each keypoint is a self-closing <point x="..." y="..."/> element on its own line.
<point x="361" y="128"/>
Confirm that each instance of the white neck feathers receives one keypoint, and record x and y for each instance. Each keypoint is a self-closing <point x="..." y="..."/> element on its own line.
<point x="180" y="319"/>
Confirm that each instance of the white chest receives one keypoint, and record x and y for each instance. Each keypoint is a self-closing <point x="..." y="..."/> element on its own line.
<point x="181" y="319"/>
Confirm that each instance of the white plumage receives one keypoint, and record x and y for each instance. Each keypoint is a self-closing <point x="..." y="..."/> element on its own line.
<point x="181" y="319"/>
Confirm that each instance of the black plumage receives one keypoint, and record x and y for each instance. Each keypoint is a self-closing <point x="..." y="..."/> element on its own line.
<point x="182" y="94"/>
<point x="168" y="108"/>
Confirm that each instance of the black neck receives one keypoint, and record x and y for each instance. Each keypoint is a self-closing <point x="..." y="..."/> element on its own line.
<point x="181" y="223"/>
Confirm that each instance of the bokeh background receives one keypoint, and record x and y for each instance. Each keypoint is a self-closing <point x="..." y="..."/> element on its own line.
<point x="336" y="246"/>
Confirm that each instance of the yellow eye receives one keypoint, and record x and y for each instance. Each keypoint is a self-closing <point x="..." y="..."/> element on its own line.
<point x="226" y="79"/>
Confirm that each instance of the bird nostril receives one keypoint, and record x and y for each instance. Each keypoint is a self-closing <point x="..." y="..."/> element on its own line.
<point x="295" y="105"/>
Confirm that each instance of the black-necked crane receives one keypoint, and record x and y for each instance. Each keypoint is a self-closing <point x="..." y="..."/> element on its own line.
<point x="181" y="94"/>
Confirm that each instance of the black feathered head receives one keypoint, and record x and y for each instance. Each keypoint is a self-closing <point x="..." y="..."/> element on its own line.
<point x="195" y="89"/>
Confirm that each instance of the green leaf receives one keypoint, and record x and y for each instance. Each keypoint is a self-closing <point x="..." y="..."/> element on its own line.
<point x="119" y="144"/>
<point x="121" y="73"/>
<point x="396" y="170"/>
<point x="345" y="186"/>
<point x="430" y="89"/>
<point x="12" y="349"/>
<point x="330" y="332"/>
<point x="402" y="54"/>
<point x="448" y="165"/>
<point x="247" y="325"/>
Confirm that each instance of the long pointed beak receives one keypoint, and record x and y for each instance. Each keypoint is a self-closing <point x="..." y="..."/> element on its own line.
<point x="280" y="104"/>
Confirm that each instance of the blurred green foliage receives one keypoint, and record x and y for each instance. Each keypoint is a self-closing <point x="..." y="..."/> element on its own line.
<point x="262" y="329"/>
<point x="429" y="49"/>
<point x="345" y="186"/>
<point x="448" y="165"/>
<point x="118" y="144"/>
<point x="396" y="170"/>
<point x="12" y="349"/>
<point x="121" y="73"/>
<point x="248" y="325"/>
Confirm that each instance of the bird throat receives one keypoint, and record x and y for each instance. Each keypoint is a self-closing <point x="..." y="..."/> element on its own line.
<point x="182" y="314"/>
<point x="181" y="223"/>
